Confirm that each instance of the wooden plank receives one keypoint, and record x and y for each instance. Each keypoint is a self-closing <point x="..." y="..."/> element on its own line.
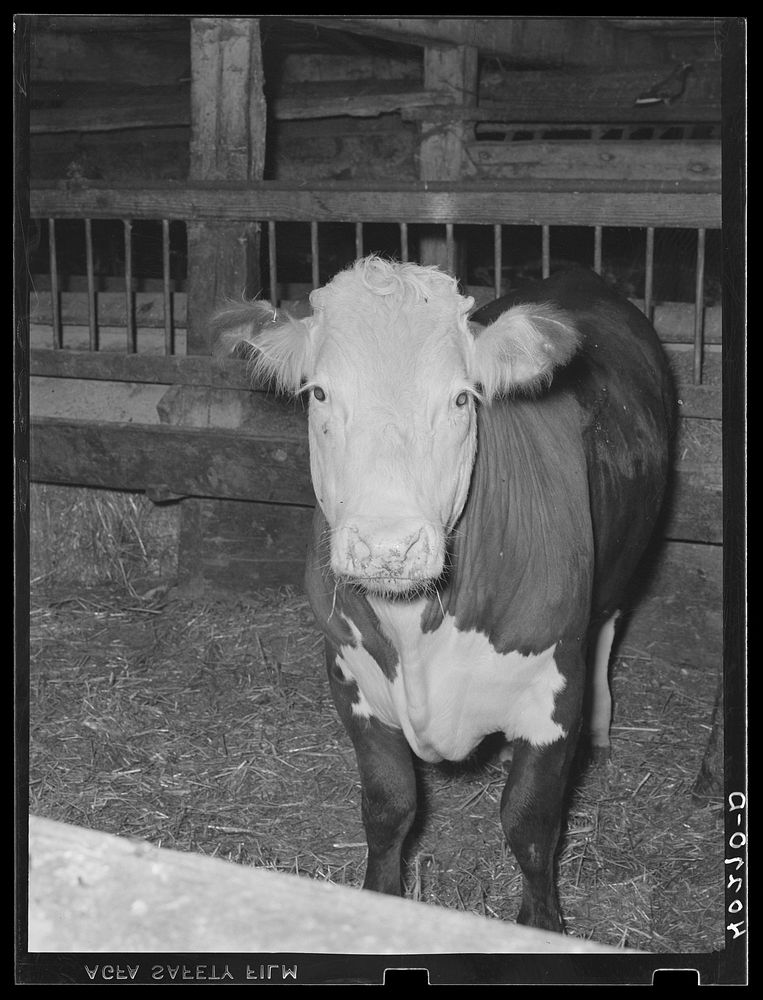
<point x="262" y="463"/>
<point x="569" y="41"/>
<point x="637" y="160"/>
<point x="695" y="506"/>
<point x="110" y="308"/>
<point x="700" y="401"/>
<point x="149" y="54"/>
<point x="365" y="101"/>
<point x="233" y="547"/>
<point x="76" y="108"/>
<point x="570" y="97"/>
<point x="94" y="893"/>
<point x="176" y="460"/>
<point x="229" y="373"/>
<point x="676" y="612"/>
<point x="527" y="202"/>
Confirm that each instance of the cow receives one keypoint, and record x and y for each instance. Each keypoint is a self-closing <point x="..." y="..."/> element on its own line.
<point x="486" y="486"/>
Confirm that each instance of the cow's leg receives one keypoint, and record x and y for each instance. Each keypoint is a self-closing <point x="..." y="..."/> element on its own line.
<point x="601" y="697"/>
<point x="387" y="780"/>
<point x="531" y="815"/>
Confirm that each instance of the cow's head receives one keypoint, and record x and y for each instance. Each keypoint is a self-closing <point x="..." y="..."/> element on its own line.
<point x="395" y="372"/>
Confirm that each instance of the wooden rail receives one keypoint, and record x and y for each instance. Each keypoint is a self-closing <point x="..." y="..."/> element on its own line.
<point x="527" y="202"/>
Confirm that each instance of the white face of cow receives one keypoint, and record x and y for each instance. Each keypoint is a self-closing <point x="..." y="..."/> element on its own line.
<point x="392" y="429"/>
<point x="395" y="374"/>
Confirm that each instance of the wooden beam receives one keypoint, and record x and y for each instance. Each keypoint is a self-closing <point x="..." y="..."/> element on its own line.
<point x="693" y="400"/>
<point x="228" y="116"/>
<point x="179" y="461"/>
<point x="267" y="467"/>
<point x="364" y="102"/>
<point x="556" y="41"/>
<point x="614" y="160"/>
<point x="569" y="97"/>
<point x="76" y="108"/>
<point x="525" y="202"/>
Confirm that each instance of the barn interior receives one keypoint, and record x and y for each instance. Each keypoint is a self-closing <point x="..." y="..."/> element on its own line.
<point x="174" y="160"/>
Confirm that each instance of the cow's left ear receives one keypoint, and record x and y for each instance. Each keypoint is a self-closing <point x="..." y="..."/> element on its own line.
<point x="521" y="349"/>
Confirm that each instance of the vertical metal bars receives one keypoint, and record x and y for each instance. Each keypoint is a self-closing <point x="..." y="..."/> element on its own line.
<point x="450" y="248"/>
<point x="92" y="316"/>
<point x="272" y="267"/>
<point x="404" y="242"/>
<point x="129" y="310"/>
<point x="597" y="240"/>
<point x="358" y="240"/>
<point x="314" y="254"/>
<point x="649" y="272"/>
<point x="167" y="288"/>
<point x="55" y="302"/>
<point x="497" y="261"/>
<point x="546" y="251"/>
<point x="699" y="308"/>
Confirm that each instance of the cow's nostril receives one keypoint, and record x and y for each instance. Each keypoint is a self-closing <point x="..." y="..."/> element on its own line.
<point x="360" y="552"/>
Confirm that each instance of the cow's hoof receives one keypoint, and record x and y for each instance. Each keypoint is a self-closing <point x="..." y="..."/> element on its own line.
<point x="601" y="755"/>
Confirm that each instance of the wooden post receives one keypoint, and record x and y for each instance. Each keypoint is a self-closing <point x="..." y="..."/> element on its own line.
<point x="442" y="145"/>
<point x="228" y="119"/>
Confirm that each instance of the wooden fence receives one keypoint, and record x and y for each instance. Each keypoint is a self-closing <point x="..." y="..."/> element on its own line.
<point x="267" y="460"/>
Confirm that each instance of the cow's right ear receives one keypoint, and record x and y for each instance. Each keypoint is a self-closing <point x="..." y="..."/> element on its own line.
<point x="280" y="347"/>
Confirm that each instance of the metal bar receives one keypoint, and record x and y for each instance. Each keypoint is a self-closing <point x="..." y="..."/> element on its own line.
<point x="597" y="240"/>
<point x="169" y="347"/>
<point x="272" y="264"/>
<point x="358" y="240"/>
<point x="649" y="272"/>
<point x="699" y="308"/>
<point x="55" y="301"/>
<point x="450" y="248"/>
<point x="497" y="260"/>
<point x="92" y="317"/>
<point x="314" y="251"/>
<point x="546" y="252"/>
<point x="404" y="242"/>
<point x="129" y="311"/>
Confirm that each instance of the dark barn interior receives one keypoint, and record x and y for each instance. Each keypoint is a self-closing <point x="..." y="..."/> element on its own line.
<point x="174" y="161"/>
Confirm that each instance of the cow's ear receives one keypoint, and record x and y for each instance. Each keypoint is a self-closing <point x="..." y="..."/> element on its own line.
<point x="521" y="349"/>
<point x="279" y="347"/>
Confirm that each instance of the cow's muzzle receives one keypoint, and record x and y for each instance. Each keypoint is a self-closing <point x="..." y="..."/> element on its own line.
<point x="393" y="557"/>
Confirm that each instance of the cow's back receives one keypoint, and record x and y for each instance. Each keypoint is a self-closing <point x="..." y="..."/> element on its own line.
<point x="621" y="384"/>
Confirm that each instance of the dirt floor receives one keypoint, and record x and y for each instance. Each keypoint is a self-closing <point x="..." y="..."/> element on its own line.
<point x="208" y="727"/>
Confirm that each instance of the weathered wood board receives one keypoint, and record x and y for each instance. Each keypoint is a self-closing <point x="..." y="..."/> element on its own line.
<point x="92" y="893"/>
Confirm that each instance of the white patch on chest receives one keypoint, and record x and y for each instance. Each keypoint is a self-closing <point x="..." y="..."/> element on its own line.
<point x="452" y="688"/>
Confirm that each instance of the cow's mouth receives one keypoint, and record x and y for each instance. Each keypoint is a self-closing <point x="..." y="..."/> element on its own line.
<point x="393" y="587"/>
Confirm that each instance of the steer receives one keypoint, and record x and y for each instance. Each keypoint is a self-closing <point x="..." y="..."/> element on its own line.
<point x="486" y="487"/>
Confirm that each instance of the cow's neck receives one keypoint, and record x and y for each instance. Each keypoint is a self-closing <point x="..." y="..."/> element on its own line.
<point x="522" y="548"/>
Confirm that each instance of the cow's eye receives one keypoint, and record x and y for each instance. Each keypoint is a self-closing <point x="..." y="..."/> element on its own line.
<point x="462" y="399"/>
<point x="319" y="394"/>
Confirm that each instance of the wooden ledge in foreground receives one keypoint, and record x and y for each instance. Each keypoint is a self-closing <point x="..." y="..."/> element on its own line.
<point x="94" y="892"/>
